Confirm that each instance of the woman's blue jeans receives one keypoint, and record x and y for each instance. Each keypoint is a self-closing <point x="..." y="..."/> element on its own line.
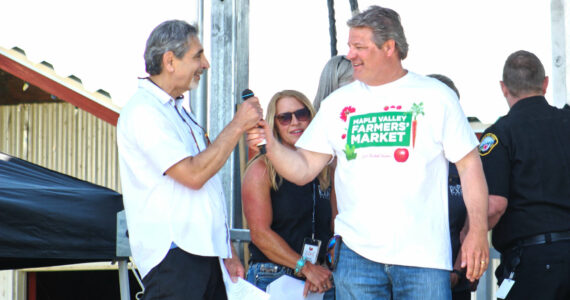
<point x="262" y="274"/>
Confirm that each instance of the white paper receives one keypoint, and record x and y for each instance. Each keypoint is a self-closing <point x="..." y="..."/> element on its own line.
<point x="289" y="288"/>
<point x="241" y="289"/>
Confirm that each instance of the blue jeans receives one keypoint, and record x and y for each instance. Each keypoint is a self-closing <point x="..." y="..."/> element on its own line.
<point x="262" y="274"/>
<point x="360" y="279"/>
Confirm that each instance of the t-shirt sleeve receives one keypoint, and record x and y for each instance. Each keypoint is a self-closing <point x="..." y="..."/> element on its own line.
<point x="157" y="138"/>
<point x="496" y="164"/>
<point x="458" y="137"/>
<point x="316" y="136"/>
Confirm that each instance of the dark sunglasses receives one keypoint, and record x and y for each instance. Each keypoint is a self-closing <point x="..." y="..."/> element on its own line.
<point x="302" y="114"/>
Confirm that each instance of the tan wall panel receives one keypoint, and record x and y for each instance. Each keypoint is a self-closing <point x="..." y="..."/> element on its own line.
<point x="63" y="138"/>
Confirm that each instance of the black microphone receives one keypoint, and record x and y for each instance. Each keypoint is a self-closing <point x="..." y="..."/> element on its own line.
<point x="246" y="94"/>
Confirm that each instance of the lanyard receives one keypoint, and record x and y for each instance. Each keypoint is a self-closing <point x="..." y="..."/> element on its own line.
<point x="190" y="127"/>
<point x="314" y="210"/>
<point x="196" y="123"/>
<point x="184" y="120"/>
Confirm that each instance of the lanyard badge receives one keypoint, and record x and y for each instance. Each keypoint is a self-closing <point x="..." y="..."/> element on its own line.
<point x="311" y="246"/>
<point x="508" y="283"/>
<point x="311" y="249"/>
<point x="505" y="287"/>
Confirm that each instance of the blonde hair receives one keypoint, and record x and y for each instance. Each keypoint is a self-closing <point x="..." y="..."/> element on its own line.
<point x="276" y="179"/>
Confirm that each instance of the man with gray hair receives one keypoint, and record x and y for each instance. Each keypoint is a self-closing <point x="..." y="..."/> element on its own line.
<point x="526" y="158"/>
<point x="393" y="133"/>
<point x="173" y="198"/>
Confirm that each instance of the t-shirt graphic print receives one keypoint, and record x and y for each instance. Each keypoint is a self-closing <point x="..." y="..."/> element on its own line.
<point x="392" y="127"/>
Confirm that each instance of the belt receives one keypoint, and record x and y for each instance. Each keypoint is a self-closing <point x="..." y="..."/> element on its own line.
<point x="545" y="238"/>
<point x="274" y="269"/>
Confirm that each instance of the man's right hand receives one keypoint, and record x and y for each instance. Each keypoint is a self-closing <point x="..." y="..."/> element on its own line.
<point x="297" y="165"/>
<point x="248" y="114"/>
<point x="257" y="134"/>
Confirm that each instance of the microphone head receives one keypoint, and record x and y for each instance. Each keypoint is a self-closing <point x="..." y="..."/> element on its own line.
<point x="247" y="93"/>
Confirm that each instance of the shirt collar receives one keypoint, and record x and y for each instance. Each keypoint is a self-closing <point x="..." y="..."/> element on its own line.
<point x="162" y="96"/>
<point x="528" y="102"/>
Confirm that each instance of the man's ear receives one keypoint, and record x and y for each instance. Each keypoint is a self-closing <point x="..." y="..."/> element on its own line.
<point x="390" y="47"/>
<point x="168" y="61"/>
<point x="545" y="85"/>
<point x="504" y="89"/>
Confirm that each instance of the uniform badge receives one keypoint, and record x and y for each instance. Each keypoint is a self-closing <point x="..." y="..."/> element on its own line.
<point x="488" y="142"/>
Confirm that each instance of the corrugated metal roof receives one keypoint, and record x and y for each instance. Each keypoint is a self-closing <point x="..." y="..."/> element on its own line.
<point x="70" y="89"/>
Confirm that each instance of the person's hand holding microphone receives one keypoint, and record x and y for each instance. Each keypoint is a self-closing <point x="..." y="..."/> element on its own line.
<point x="248" y="115"/>
<point x="255" y="135"/>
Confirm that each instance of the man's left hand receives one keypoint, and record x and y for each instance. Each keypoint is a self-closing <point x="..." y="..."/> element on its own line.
<point x="475" y="254"/>
<point x="235" y="268"/>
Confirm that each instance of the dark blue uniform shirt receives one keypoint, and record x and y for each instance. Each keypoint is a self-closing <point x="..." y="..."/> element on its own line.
<point x="526" y="158"/>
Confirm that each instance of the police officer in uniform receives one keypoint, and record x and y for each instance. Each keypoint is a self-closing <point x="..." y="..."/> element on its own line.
<point x="526" y="158"/>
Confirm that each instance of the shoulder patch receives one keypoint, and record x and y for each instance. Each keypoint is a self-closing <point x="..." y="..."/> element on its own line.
<point x="488" y="142"/>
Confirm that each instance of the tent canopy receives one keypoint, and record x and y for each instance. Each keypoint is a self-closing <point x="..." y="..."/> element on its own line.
<point x="48" y="218"/>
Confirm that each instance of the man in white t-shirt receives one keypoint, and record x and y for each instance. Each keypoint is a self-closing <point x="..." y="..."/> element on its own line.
<point x="172" y="194"/>
<point x="393" y="133"/>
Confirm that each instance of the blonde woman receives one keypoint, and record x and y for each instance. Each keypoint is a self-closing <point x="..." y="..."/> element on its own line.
<point x="282" y="215"/>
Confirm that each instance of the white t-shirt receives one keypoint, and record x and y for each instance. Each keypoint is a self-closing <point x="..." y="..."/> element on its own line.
<point x="153" y="134"/>
<point x="392" y="144"/>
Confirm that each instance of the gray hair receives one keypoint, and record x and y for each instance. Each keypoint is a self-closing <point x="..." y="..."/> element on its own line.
<point x="173" y="35"/>
<point x="336" y="73"/>
<point x="523" y="73"/>
<point x="385" y="24"/>
<point x="447" y="81"/>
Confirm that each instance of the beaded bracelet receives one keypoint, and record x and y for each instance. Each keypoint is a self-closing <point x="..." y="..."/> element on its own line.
<point x="300" y="265"/>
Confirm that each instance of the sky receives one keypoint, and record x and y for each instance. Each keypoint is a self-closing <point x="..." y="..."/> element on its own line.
<point x="102" y="42"/>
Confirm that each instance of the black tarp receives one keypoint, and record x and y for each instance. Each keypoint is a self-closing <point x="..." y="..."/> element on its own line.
<point x="48" y="218"/>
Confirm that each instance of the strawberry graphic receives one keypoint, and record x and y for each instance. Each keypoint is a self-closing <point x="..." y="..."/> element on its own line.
<point x="346" y="111"/>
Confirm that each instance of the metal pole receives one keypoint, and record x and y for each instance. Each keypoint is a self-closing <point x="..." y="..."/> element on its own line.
<point x="559" y="9"/>
<point x="124" y="279"/>
<point x="199" y="96"/>
<point x="230" y="75"/>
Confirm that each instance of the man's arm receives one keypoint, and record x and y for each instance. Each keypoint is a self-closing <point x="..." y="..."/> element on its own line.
<point x="497" y="207"/>
<point x="297" y="165"/>
<point x="194" y="171"/>
<point x="475" y="247"/>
